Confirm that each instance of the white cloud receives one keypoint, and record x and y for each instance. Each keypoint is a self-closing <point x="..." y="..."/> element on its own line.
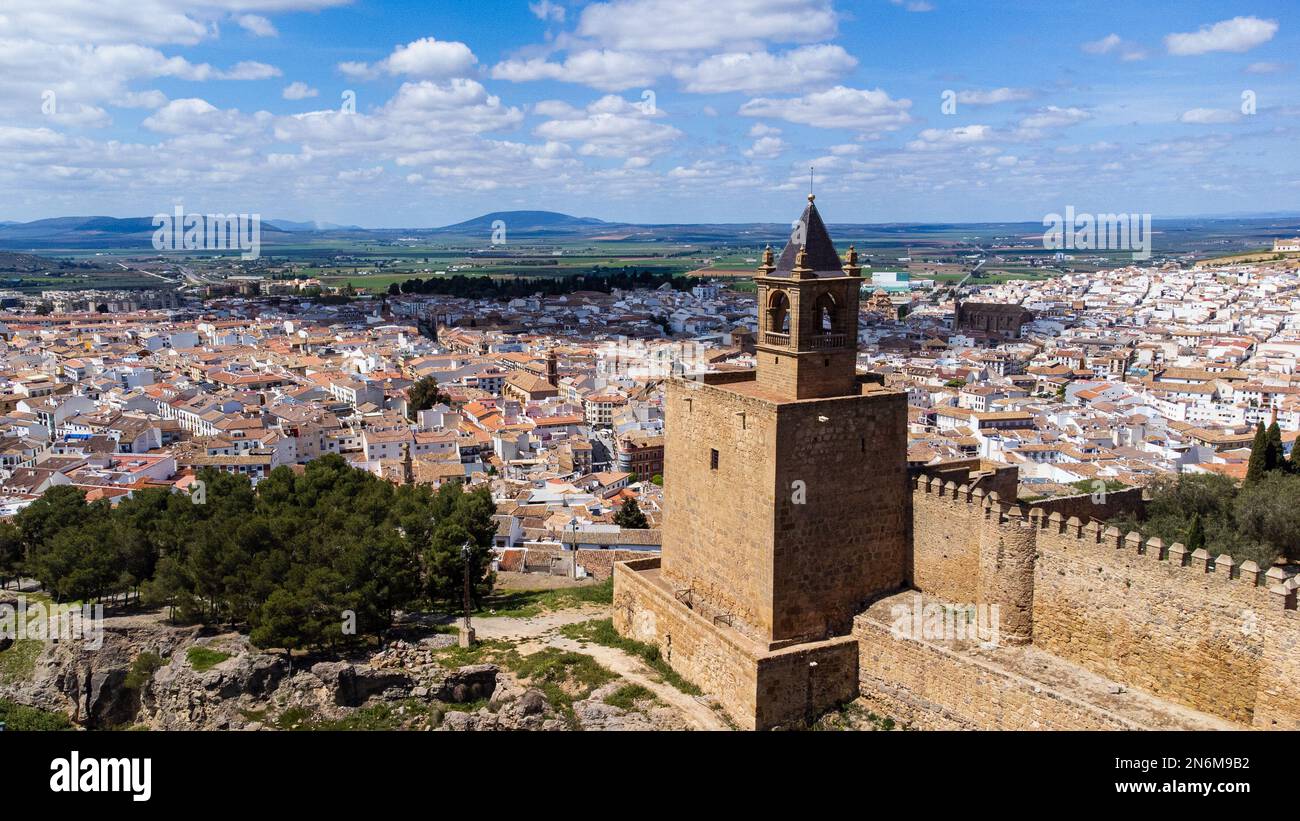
<point x="602" y="69"/>
<point x="684" y="25"/>
<point x="197" y="116"/>
<point x="763" y="130"/>
<point x="426" y="57"/>
<point x="941" y="138"/>
<point x="1209" y="116"/>
<point x="256" y="25"/>
<point x="299" y="91"/>
<point x="762" y="71"/>
<point x="250" y="70"/>
<point x="1114" y="44"/>
<point x="1266" y="68"/>
<point x="1236" y="35"/>
<point x="85" y="79"/>
<point x="547" y="10"/>
<point x="609" y="127"/>
<point x="913" y="5"/>
<point x="465" y="105"/>
<point x="361" y="174"/>
<point x="184" y="22"/>
<point x="838" y="107"/>
<point x="1105" y="45"/>
<point x="1035" y="125"/>
<point x="765" y="148"/>
<point x="25" y="138"/>
<point x="993" y="96"/>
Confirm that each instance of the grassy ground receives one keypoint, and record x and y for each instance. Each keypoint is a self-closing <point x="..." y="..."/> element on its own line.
<point x="601" y="631"/>
<point x="376" y="717"/>
<point x="18" y="662"/>
<point x="853" y="716"/>
<point x="18" y="718"/>
<point x="528" y="603"/>
<point x="630" y="697"/>
<point x="563" y="676"/>
<point x="202" y="658"/>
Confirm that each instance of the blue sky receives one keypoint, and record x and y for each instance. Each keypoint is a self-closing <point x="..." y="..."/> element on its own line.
<point x="647" y="110"/>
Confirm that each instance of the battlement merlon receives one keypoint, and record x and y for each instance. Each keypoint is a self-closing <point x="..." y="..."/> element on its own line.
<point x="1276" y="590"/>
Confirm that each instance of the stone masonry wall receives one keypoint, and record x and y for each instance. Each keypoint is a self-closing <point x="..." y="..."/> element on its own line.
<point x="1276" y="704"/>
<point x="1201" y="632"/>
<point x="688" y="642"/>
<point x="758" y="689"/>
<point x="931" y="687"/>
<point x="945" y="543"/>
<point x="1112" y="504"/>
<point x="843" y="511"/>
<point x="1181" y="626"/>
<point x="718" y="522"/>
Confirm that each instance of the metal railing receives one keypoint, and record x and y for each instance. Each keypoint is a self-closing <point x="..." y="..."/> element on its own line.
<point x="813" y="343"/>
<point x="827" y="341"/>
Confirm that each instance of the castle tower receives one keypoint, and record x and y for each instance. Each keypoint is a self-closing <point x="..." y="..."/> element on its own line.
<point x="808" y="315"/>
<point x="787" y="503"/>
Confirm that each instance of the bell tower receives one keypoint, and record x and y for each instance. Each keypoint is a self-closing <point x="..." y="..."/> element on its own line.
<point x="786" y="502"/>
<point x="808" y="315"/>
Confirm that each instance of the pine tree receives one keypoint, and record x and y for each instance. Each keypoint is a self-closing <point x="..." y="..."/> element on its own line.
<point x="630" y="516"/>
<point x="1258" y="464"/>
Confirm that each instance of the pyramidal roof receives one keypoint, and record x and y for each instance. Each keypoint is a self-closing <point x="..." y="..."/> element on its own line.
<point x="822" y="257"/>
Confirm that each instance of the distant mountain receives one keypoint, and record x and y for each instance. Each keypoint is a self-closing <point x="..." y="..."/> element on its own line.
<point x="524" y="223"/>
<point x="95" y="232"/>
<point x="316" y="225"/>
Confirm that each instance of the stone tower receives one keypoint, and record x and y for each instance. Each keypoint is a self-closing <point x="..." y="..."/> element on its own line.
<point x="808" y="315"/>
<point x="787" y="503"/>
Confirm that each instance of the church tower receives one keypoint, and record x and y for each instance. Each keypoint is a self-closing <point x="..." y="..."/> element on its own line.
<point x="808" y="315"/>
<point x="786" y="501"/>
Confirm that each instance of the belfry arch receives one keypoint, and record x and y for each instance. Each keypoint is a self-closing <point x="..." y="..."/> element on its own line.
<point x="778" y="312"/>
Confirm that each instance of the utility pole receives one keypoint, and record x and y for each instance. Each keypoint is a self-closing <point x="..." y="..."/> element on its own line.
<point x="466" y="629"/>
<point x="573" y="526"/>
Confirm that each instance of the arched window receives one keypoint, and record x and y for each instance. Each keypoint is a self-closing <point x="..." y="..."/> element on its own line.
<point x="778" y="313"/>
<point x="826" y="315"/>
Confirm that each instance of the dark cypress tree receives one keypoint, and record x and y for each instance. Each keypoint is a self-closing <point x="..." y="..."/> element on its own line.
<point x="1258" y="464"/>
<point x="1195" y="538"/>
<point x="1274" y="456"/>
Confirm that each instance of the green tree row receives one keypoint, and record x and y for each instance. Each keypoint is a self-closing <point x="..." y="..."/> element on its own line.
<point x="1258" y="521"/>
<point x="486" y="287"/>
<point x="297" y="561"/>
<point x="1267" y="454"/>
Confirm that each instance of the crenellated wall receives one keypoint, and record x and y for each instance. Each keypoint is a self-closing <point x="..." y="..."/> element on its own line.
<point x="1184" y="626"/>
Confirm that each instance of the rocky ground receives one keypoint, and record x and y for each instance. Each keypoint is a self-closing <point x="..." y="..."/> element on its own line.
<point x="523" y="674"/>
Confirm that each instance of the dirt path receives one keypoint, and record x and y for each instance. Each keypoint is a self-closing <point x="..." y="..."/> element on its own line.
<point x="542" y="631"/>
<point x="512" y="627"/>
<point x="698" y="715"/>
